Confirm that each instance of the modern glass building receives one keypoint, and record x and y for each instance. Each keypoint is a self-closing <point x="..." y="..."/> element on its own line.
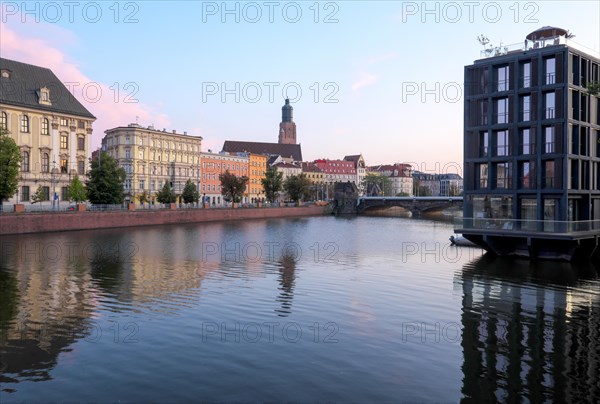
<point x="532" y="145"/>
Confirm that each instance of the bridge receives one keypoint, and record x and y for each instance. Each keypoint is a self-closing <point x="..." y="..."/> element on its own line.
<point x="415" y="204"/>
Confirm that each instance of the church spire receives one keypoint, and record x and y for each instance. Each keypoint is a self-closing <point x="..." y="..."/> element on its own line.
<point x="287" y="127"/>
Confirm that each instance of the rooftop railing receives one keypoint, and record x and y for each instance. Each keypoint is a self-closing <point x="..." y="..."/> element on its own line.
<point x="491" y="50"/>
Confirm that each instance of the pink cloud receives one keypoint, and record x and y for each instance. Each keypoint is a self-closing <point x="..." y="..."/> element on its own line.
<point x="98" y="98"/>
<point x="364" y="80"/>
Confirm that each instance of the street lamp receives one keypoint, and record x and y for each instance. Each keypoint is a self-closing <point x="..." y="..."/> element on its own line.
<point x="54" y="184"/>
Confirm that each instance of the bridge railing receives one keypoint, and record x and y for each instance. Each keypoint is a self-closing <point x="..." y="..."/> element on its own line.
<point x="412" y="198"/>
<point x="521" y="225"/>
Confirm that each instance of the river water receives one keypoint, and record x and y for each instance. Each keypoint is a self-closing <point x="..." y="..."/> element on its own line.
<point x="363" y="309"/>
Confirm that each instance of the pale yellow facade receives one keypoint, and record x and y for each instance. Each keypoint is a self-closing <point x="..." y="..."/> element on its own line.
<point x="54" y="147"/>
<point x="151" y="157"/>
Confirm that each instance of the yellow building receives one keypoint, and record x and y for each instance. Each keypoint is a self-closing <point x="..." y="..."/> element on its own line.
<point x="49" y="125"/>
<point x="151" y="157"/>
<point x="317" y="180"/>
<point x="256" y="173"/>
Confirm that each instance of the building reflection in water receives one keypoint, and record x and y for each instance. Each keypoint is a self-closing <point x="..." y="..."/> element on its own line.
<point x="530" y="330"/>
<point x="45" y="306"/>
<point x="52" y="290"/>
<point x="287" y="278"/>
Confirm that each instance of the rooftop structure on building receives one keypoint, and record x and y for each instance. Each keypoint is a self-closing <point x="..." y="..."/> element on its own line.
<point x="293" y="151"/>
<point x="28" y="86"/>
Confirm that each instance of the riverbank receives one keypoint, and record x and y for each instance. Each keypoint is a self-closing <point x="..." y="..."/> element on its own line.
<point x="67" y="221"/>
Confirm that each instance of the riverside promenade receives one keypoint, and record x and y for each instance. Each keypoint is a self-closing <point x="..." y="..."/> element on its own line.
<point x="23" y="223"/>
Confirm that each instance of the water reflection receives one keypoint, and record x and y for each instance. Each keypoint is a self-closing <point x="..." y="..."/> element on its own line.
<point x="287" y="277"/>
<point x="529" y="330"/>
<point x="44" y="307"/>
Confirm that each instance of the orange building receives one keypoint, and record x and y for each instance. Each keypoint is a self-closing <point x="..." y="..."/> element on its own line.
<point x="212" y="165"/>
<point x="256" y="173"/>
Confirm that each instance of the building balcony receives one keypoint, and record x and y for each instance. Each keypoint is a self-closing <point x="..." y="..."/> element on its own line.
<point x="523" y="227"/>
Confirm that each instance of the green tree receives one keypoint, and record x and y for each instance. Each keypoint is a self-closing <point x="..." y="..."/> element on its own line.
<point x="297" y="187"/>
<point x="39" y="195"/>
<point x="77" y="191"/>
<point x="190" y="194"/>
<point x="593" y="88"/>
<point x="272" y="183"/>
<point x="143" y="197"/>
<point x="105" y="181"/>
<point x="384" y="183"/>
<point x="166" y="194"/>
<point x="232" y="186"/>
<point x="424" y="191"/>
<point x="10" y="161"/>
<point x="453" y="190"/>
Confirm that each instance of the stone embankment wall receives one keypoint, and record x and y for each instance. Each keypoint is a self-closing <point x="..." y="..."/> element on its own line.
<point x="22" y="223"/>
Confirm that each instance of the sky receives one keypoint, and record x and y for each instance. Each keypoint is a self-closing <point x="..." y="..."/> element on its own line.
<point x="381" y="78"/>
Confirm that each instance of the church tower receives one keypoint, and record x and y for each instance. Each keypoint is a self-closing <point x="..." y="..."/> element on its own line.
<point x="287" y="127"/>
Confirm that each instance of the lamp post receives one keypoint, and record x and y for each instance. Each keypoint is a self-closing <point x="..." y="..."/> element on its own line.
<point x="54" y="184"/>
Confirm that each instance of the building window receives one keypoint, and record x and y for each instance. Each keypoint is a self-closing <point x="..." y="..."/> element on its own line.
<point x="64" y="193"/>
<point x="503" y="78"/>
<point x="527" y="174"/>
<point x="549" y="174"/>
<point x="526" y="108"/>
<point x="25" y="193"/>
<point x="25" y="161"/>
<point x="45" y="163"/>
<point x="550" y="71"/>
<point x="64" y="141"/>
<point x="24" y="124"/>
<point x="45" y="126"/>
<point x="46" y="193"/>
<point x="549" y="139"/>
<point x="127" y="140"/>
<point x="81" y="167"/>
<point x="503" y="175"/>
<point x="3" y="120"/>
<point x="64" y="165"/>
<point x="527" y="142"/>
<point x="80" y="124"/>
<point x="142" y="184"/>
<point x="127" y="153"/>
<point x="502" y="110"/>
<point x="81" y="143"/>
<point x="526" y="74"/>
<point x="141" y="153"/>
<point x="64" y="122"/>
<point x="550" y="105"/>
<point x="528" y="213"/>
<point x="502" y="143"/>
<point x="482" y="175"/>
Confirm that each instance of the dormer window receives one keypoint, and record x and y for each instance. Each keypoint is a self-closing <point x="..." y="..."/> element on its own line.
<point x="5" y="73"/>
<point x="44" y="95"/>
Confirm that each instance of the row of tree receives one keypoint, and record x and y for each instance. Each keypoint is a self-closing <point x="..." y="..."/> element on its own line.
<point x="105" y="179"/>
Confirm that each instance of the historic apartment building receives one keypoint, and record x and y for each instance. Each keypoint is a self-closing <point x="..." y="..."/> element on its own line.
<point x="360" y="168"/>
<point x="400" y="176"/>
<point x="49" y="125"/>
<point x="532" y="132"/>
<point x="212" y="166"/>
<point x="257" y="169"/>
<point x="151" y="157"/>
